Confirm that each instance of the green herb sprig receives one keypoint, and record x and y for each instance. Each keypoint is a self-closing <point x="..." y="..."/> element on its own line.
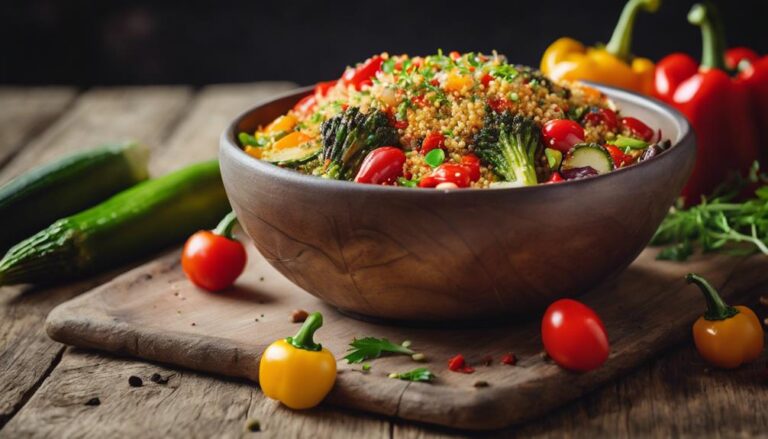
<point x="420" y="374"/>
<point x="370" y="347"/>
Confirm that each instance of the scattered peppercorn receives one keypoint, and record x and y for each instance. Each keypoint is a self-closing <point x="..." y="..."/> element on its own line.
<point x="252" y="425"/>
<point x="194" y="324"/>
<point x="158" y="379"/>
<point x="481" y="384"/>
<point x="135" y="381"/>
<point x="93" y="401"/>
<point x="458" y="364"/>
<point x="261" y="279"/>
<point x="299" y="315"/>
<point x="509" y="359"/>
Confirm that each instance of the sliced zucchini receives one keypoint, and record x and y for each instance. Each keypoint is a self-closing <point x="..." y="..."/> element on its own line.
<point x="293" y="156"/>
<point x="588" y="154"/>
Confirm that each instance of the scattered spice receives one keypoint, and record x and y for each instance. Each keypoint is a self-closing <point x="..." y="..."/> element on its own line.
<point x="135" y="381"/>
<point x="261" y="279"/>
<point x="252" y="425"/>
<point x="370" y="347"/>
<point x="299" y="315"/>
<point x="509" y="359"/>
<point x="93" y="401"/>
<point x="256" y="319"/>
<point x="158" y="379"/>
<point x="487" y="360"/>
<point x="481" y="384"/>
<point x="458" y="364"/>
<point x="420" y="374"/>
<point x="544" y="356"/>
<point x="194" y="324"/>
<point x="418" y="357"/>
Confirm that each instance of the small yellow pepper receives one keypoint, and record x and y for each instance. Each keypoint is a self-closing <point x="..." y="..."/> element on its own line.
<point x="725" y="336"/>
<point x="297" y="371"/>
<point x="613" y="64"/>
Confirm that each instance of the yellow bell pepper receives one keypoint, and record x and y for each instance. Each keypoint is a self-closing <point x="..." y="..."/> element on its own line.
<point x="568" y="59"/>
<point x="297" y="371"/>
<point x="285" y="122"/>
<point x="726" y="336"/>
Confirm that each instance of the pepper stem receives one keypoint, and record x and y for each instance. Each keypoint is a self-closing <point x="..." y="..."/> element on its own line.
<point x="620" y="45"/>
<point x="303" y="338"/>
<point x="224" y="228"/>
<point x="712" y="34"/>
<point x="716" y="308"/>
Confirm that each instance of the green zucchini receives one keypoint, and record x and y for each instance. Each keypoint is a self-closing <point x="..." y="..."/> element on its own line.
<point x="134" y="223"/>
<point x="37" y="198"/>
<point x="295" y="156"/>
<point x="588" y="154"/>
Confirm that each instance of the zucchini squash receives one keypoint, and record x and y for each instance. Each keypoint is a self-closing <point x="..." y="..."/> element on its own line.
<point x="37" y="198"/>
<point x="134" y="223"/>
<point x="588" y="154"/>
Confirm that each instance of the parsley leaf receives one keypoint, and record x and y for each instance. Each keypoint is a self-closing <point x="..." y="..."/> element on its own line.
<point x="370" y="347"/>
<point x="420" y="374"/>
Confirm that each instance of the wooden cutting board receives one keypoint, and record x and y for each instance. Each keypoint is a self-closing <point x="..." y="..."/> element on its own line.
<point x="154" y="313"/>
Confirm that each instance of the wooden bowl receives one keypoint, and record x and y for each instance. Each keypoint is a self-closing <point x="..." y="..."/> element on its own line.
<point x="431" y="255"/>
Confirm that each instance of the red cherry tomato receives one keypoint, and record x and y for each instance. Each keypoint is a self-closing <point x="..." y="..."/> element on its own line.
<point x="454" y="55"/>
<point x="603" y="116"/>
<point x="555" y="178"/>
<point x="574" y="336"/>
<point x="637" y="128"/>
<point x="322" y="87"/>
<point x="619" y="158"/>
<point x="448" y="173"/>
<point x="213" y="260"/>
<point x="362" y="74"/>
<point x="381" y="166"/>
<point x="486" y="79"/>
<point x="432" y="141"/>
<point x="306" y="104"/>
<point x="472" y="162"/>
<point x="562" y="134"/>
<point x="498" y="104"/>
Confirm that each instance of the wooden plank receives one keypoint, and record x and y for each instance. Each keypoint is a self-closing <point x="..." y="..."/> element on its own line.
<point x="189" y="405"/>
<point x="24" y="112"/>
<point x="26" y="353"/>
<point x="154" y="313"/>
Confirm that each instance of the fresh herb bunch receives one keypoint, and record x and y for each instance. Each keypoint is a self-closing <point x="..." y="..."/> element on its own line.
<point x="370" y="347"/>
<point x="720" y="223"/>
<point x="419" y="374"/>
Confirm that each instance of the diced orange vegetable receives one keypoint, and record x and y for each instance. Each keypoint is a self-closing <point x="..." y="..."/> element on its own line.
<point x="292" y="139"/>
<point x="282" y="123"/>
<point x="457" y="82"/>
<point x="253" y="152"/>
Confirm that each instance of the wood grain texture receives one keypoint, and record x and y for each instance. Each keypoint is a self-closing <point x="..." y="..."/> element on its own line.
<point x="26" y="354"/>
<point x="154" y="313"/>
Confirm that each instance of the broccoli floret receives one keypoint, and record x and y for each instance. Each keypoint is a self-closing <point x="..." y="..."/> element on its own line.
<point x="511" y="145"/>
<point x="349" y="136"/>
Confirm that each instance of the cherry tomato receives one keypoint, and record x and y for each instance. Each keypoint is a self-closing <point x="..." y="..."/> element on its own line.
<point x="603" y="116"/>
<point x="362" y="74"/>
<point x="562" y="134"/>
<point x="213" y="260"/>
<point x="574" y="336"/>
<point x="381" y="166"/>
<point x="555" y="178"/>
<point x="432" y="141"/>
<point x="454" y="55"/>
<point x="498" y="104"/>
<point x="322" y="87"/>
<point x="306" y="104"/>
<point x="637" y="128"/>
<point x="472" y="162"/>
<point x="619" y="158"/>
<point x="448" y="173"/>
<point x="486" y="79"/>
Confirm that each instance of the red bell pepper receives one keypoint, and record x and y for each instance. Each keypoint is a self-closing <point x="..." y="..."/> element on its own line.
<point x="717" y="105"/>
<point x="753" y="72"/>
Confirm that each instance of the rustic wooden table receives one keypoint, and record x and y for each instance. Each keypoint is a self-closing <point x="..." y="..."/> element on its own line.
<point x="44" y="385"/>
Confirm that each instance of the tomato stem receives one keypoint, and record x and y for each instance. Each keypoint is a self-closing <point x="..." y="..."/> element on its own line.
<point x="224" y="228"/>
<point x="717" y="309"/>
<point x="621" y="40"/>
<point x="303" y="339"/>
<point x="712" y="35"/>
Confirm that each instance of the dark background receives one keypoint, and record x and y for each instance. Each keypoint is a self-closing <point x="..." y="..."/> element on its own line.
<point x="157" y="42"/>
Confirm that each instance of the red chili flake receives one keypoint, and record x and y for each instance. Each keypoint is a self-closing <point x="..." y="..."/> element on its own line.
<point x="457" y="364"/>
<point x="487" y="360"/>
<point x="401" y="124"/>
<point x="434" y="83"/>
<point x="486" y="79"/>
<point x="344" y="107"/>
<point x="509" y="359"/>
<point x="420" y="101"/>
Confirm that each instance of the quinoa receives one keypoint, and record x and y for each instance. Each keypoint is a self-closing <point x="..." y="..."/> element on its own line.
<point x="450" y="95"/>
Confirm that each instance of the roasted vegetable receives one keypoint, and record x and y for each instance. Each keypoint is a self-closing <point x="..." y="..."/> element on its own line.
<point x="37" y="198"/>
<point x="348" y="137"/>
<point x="511" y="145"/>
<point x="133" y="223"/>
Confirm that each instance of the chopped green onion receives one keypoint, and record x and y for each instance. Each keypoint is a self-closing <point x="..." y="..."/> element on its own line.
<point x="435" y="158"/>
<point x="402" y="181"/>
<point x="630" y="142"/>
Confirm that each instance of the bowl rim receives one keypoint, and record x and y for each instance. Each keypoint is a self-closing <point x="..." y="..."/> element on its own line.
<point x="228" y="142"/>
